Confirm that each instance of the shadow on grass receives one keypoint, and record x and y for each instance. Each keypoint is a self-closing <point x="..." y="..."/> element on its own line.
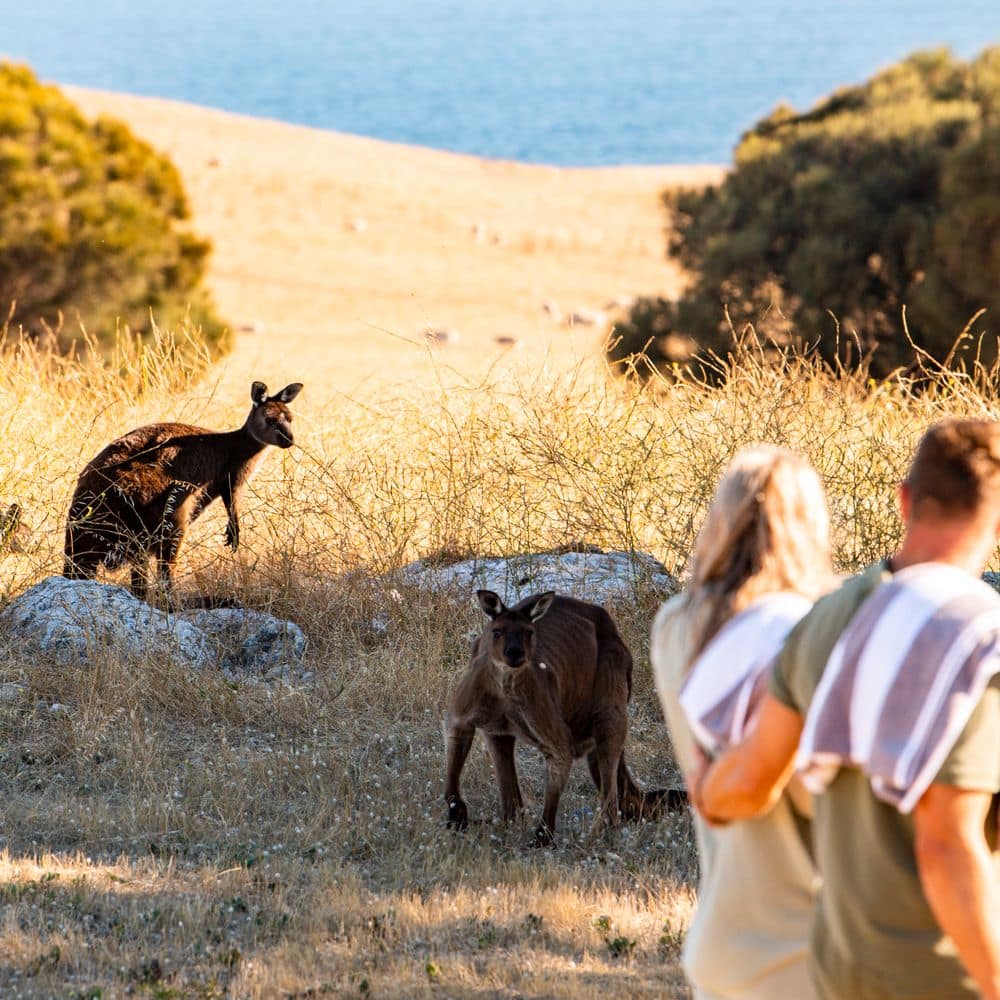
<point x="79" y="930"/>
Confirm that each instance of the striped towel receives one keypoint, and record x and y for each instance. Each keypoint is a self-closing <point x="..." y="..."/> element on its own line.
<point x="729" y="677"/>
<point x="902" y="682"/>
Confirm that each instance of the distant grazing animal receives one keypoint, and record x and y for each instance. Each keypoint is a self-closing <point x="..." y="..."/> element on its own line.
<point x="553" y="671"/>
<point x="138" y="496"/>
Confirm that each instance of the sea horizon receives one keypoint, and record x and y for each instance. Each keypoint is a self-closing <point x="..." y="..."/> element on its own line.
<point x="582" y="83"/>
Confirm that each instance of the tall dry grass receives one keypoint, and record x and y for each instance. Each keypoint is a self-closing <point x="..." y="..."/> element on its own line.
<point x="170" y="834"/>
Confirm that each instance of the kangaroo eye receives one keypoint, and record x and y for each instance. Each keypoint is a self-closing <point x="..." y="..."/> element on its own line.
<point x="497" y="633"/>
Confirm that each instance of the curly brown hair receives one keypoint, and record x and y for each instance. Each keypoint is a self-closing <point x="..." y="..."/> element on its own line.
<point x="956" y="468"/>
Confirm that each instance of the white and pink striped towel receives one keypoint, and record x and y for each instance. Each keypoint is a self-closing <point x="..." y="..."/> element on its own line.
<point x="902" y="682"/>
<point x="729" y="677"/>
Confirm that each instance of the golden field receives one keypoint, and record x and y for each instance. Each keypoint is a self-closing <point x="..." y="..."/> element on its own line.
<point x="341" y="250"/>
<point x="171" y="834"/>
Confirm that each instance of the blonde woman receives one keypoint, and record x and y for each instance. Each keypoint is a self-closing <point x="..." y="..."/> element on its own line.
<point x="760" y="560"/>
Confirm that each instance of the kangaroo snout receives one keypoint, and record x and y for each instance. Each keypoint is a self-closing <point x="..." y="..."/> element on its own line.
<point x="515" y="657"/>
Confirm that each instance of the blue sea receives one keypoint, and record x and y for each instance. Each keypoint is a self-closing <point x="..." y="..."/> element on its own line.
<point x="582" y="82"/>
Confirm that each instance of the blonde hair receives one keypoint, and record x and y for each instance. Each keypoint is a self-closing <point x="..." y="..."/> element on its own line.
<point x="767" y="530"/>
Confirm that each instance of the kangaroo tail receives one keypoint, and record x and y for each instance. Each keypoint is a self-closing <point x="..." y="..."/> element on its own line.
<point x="636" y="804"/>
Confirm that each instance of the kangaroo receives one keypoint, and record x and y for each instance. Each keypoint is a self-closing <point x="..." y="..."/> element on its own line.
<point x="138" y="496"/>
<point x="553" y="671"/>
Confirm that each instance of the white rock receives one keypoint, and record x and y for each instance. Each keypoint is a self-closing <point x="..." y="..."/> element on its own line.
<point x="594" y="576"/>
<point x="250" y="642"/>
<point x="71" y="621"/>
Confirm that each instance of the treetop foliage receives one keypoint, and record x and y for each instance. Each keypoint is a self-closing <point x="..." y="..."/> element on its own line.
<point x="93" y="230"/>
<point x="883" y="198"/>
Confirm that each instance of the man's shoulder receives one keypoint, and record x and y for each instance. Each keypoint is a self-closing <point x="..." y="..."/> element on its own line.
<point x="808" y="647"/>
<point x="838" y="607"/>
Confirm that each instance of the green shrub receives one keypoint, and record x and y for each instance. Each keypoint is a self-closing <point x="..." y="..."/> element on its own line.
<point x="92" y="233"/>
<point x="884" y="198"/>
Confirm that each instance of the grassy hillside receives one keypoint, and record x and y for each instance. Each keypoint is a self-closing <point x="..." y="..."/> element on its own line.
<point x="339" y="250"/>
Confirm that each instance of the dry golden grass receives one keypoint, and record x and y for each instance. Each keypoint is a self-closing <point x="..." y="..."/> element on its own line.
<point x="169" y="834"/>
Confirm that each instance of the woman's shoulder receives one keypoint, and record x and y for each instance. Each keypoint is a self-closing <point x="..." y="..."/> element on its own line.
<point x="670" y="612"/>
<point x="669" y="642"/>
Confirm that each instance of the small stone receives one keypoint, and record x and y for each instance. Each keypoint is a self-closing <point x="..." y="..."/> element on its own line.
<point x="438" y="337"/>
<point x="12" y="692"/>
<point x="586" y="317"/>
<point x="619" y="303"/>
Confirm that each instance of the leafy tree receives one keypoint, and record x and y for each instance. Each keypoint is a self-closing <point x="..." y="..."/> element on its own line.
<point x="92" y="224"/>
<point x="884" y="198"/>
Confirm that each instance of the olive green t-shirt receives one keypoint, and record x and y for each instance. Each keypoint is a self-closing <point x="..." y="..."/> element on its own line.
<point x="874" y="936"/>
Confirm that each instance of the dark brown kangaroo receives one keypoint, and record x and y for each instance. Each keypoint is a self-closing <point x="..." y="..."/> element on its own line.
<point x="553" y="671"/>
<point x="138" y="496"/>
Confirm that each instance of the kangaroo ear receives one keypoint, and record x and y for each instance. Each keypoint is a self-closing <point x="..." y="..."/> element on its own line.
<point x="288" y="393"/>
<point x="540" y="605"/>
<point x="490" y="603"/>
<point x="258" y="393"/>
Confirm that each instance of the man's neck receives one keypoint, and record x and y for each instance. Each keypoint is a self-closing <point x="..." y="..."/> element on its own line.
<point x="948" y="542"/>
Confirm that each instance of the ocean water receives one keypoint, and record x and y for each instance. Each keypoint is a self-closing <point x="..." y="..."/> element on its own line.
<point x="583" y="82"/>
